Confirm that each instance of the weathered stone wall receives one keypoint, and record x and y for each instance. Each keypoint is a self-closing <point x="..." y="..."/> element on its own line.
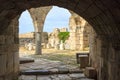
<point x="9" y="61"/>
<point x="79" y="32"/>
<point x="27" y="35"/>
<point x="103" y="57"/>
<point x="53" y="38"/>
<point x="64" y="29"/>
<point x="103" y="15"/>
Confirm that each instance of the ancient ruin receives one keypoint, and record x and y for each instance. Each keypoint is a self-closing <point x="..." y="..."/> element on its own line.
<point x="102" y="15"/>
<point x="54" y="40"/>
<point x="38" y="15"/>
<point x="79" y="32"/>
<point x="29" y="38"/>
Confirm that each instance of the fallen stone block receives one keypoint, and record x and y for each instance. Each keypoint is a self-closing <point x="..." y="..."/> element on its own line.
<point x="35" y="72"/>
<point x="63" y="70"/>
<point x="90" y="72"/>
<point x="25" y="60"/>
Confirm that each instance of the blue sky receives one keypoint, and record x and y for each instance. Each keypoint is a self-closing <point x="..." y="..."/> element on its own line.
<point x="56" y="18"/>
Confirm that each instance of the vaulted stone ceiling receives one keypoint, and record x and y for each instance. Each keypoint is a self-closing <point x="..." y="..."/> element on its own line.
<point x="102" y="15"/>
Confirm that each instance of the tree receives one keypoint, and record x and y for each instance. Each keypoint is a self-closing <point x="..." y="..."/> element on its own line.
<point x="63" y="36"/>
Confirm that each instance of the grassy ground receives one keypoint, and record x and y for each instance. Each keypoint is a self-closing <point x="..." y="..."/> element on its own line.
<point x="65" y="56"/>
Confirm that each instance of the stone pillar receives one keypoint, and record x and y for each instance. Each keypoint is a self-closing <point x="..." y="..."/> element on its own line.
<point x="38" y="43"/>
<point x="38" y="15"/>
<point x="78" y="32"/>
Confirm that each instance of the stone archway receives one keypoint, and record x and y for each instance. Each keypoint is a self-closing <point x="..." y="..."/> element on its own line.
<point x="102" y="15"/>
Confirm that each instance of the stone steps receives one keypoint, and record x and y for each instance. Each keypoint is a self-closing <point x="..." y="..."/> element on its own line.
<point x="74" y="76"/>
<point x="48" y="72"/>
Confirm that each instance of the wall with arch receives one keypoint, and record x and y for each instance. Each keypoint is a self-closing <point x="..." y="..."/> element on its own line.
<point x="102" y="15"/>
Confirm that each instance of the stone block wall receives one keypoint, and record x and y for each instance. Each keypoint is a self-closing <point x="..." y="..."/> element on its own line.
<point x="9" y="52"/>
<point x="104" y="57"/>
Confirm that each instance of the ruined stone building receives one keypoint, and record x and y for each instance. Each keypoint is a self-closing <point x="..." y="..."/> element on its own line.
<point x="30" y="38"/>
<point x="102" y="15"/>
<point x="64" y="29"/>
<point x="79" y="32"/>
<point x="53" y="39"/>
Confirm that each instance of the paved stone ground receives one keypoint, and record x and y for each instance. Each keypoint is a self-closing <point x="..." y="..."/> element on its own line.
<point x="78" y="76"/>
<point x="44" y="64"/>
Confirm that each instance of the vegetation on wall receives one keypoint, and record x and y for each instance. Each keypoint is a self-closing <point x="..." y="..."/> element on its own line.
<point x="63" y="36"/>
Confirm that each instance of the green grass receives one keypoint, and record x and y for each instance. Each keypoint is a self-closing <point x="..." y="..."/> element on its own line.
<point x="66" y="58"/>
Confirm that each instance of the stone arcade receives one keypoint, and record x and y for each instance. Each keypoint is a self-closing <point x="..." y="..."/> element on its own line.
<point x="103" y="15"/>
<point x="79" y="32"/>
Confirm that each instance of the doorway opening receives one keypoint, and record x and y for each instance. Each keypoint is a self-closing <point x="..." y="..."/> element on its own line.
<point x="60" y="44"/>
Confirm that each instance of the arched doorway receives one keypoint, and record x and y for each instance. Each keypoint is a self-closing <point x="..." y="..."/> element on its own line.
<point x="78" y="25"/>
<point x="102" y="15"/>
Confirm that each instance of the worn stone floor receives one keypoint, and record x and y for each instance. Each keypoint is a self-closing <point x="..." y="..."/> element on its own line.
<point x="44" y="64"/>
<point x="75" y="76"/>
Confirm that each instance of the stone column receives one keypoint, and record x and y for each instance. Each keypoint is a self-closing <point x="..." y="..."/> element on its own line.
<point x="38" y="43"/>
<point x="38" y="15"/>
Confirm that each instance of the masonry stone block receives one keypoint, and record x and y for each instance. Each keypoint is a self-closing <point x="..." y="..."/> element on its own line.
<point x="9" y="39"/>
<point x="90" y="72"/>
<point x="2" y="39"/>
<point x="3" y="62"/>
<point x="16" y="62"/>
<point x="1" y="78"/>
<point x="10" y="63"/>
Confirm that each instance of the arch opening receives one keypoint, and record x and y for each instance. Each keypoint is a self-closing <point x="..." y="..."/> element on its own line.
<point x="78" y="23"/>
<point x="100" y="22"/>
<point x="26" y="32"/>
<point x="102" y="15"/>
<point x="26" y="23"/>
